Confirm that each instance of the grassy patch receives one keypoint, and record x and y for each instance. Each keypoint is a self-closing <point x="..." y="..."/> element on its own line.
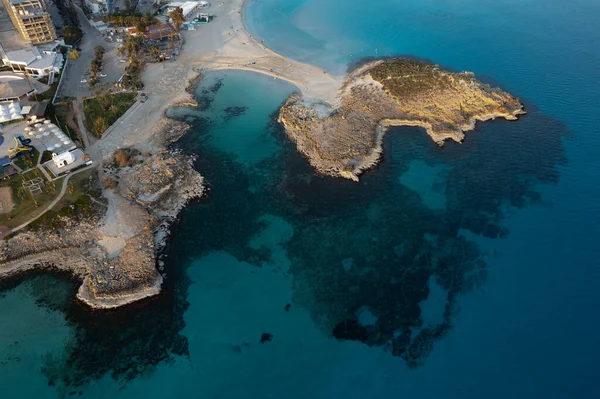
<point x="48" y="94"/>
<point x="75" y="204"/>
<point x="26" y="205"/>
<point x="46" y="156"/>
<point x="102" y="112"/>
<point x="77" y="186"/>
<point x="28" y="161"/>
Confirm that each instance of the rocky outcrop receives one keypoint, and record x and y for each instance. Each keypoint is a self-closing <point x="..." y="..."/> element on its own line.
<point x="391" y="93"/>
<point x="106" y="281"/>
<point x="163" y="184"/>
<point x="114" y="256"/>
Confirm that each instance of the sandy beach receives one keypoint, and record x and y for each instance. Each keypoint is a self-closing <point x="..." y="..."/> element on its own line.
<point x="225" y="43"/>
<point x="127" y="237"/>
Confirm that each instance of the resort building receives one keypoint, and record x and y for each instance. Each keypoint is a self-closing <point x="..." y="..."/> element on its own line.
<point x="154" y="32"/>
<point x="10" y="112"/>
<point x="33" y="61"/>
<point x="99" y="6"/>
<point x="32" y="20"/>
<point x="14" y="88"/>
<point x="187" y="7"/>
<point x="46" y="136"/>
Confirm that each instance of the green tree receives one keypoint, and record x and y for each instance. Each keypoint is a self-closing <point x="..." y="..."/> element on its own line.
<point x="140" y="27"/>
<point x="178" y="18"/>
<point x="154" y="52"/>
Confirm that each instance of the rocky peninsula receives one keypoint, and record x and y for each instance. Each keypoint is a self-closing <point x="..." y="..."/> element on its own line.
<point x="393" y="92"/>
<point x="337" y="123"/>
<point x="113" y="254"/>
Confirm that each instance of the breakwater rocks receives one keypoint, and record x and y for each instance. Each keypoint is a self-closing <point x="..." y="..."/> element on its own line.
<point x="395" y="92"/>
<point x="114" y="254"/>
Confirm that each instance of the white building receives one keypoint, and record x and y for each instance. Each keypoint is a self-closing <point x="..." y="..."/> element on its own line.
<point x="34" y="62"/>
<point x="98" y="6"/>
<point x="188" y="7"/>
<point x="63" y="159"/>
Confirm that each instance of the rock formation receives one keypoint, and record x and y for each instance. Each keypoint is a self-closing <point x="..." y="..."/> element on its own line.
<point x="114" y="255"/>
<point x="391" y="93"/>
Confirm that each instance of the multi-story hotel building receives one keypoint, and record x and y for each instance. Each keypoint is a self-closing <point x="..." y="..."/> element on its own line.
<point x="32" y="20"/>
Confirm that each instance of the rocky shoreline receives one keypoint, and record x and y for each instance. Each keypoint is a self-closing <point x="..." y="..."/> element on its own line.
<point x="384" y="93"/>
<point x="114" y="255"/>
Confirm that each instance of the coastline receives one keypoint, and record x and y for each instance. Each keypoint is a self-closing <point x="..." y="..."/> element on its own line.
<point x="385" y="93"/>
<point x="225" y="43"/>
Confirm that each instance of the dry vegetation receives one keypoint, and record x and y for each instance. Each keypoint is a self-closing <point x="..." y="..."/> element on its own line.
<point x="392" y="92"/>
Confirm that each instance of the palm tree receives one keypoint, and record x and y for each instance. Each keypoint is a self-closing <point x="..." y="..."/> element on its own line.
<point x="29" y="83"/>
<point x="154" y="52"/>
<point x="178" y="18"/>
<point x="100" y="125"/>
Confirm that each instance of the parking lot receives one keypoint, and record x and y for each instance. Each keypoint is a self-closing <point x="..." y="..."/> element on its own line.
<point x="78" y="69"/>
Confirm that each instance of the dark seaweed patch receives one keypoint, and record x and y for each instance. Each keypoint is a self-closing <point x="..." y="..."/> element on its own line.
<point x="232" y="112"/>
<point x="371" y="244"/>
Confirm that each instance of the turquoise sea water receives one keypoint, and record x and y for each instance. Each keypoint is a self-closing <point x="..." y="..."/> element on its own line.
<point x="468" y="271"/>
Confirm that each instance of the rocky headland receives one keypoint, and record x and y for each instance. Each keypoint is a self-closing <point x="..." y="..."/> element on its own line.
<point x="114" y="253"/>
<point x="395" y="92"/>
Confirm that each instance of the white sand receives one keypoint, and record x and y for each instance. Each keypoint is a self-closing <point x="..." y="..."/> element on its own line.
<point x="213" y="46"/>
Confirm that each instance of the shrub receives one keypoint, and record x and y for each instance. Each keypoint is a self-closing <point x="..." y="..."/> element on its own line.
<point x="122" y="158"/>
<point x="109" y="183"/>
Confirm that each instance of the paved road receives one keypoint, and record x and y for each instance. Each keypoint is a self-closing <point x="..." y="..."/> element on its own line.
<point x="78" y="69"/>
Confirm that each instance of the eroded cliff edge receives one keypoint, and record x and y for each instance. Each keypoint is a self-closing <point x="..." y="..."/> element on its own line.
<point x="393" y="92"/>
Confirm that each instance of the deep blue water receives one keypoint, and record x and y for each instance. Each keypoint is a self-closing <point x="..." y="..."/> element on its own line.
<point x="468" y="271"/>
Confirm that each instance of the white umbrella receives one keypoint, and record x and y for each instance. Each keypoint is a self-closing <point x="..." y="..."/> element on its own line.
<point x="50" y="148"/>
<point x="39" y="136"/>
<point x="66" y="142"/>
<point x="57" y="145"/>
<point x="37" y="125"/>
<point x="47" y="121"/>
<point x="51" y="125"/>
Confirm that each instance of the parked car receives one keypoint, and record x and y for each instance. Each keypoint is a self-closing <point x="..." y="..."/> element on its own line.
<point x="103" y="75"/>
<point x="122" y="60"/>
<point x="143" y="97"/>
<point x="84" y="81"/>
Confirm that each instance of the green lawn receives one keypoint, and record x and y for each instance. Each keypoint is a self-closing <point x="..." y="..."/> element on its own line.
<point x="25" y="204"/>
<point x="119" y="103"/>
<point x="27" y="161"/>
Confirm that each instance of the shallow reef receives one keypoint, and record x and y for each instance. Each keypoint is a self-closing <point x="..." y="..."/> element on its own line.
<point x="372" y="245"/>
